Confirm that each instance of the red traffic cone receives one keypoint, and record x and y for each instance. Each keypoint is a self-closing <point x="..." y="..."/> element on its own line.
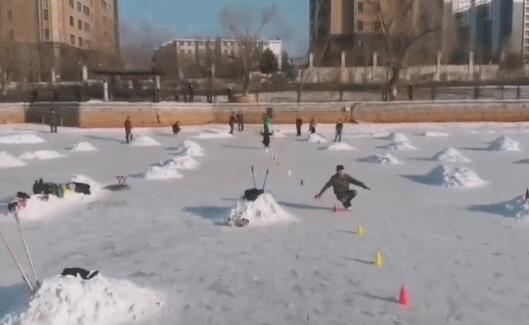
<point x="527" y="195"/>
<point x="404" y="298"/>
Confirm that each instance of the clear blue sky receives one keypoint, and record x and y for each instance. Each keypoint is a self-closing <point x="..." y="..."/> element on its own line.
<point x="201" y="17"/>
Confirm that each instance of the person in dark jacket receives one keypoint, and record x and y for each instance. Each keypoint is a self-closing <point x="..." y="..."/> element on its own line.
<point x="266" y="138"/>
<point x="240" y="121"/>
<point x="53" y="120"/>
<point x="128" y="129"/>
<point x="176" y="128"/>
<point x="312" y="125"/>
<point x="340" y="184"/>
<point x="339" y="129"/>
<point x="191" y="90"/>
<point x="299" y="124"/>
<point x="232" y="121"/>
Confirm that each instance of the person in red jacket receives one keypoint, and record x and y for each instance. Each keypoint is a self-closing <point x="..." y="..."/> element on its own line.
<point x="128" y="130"/>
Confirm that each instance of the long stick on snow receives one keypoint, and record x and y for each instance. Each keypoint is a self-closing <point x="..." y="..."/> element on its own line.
<point x="266" y="177"/>
<point x="28" y="255"/>
<point x="253" y="177"/>
<point x="15" y="260"/>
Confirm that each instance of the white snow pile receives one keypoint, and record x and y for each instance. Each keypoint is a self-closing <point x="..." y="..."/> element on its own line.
<point x="400" y="146"/>
<point x="454" y="177"/>
<point x="144" y="141"/>
<point x="8" y="161"/>
<point x="103" y="301"/>
<point x="279" y="134"/>
<point x="41" y="155"/>
<point x="316" y="138"/>
<point x="450" y="155"/>
<point x="518" y="208"/>
<point x="504" y="143"/>
<point x="340" y="146"/>
<point x="83" y="147"/>
<point x="42" y="207"/>
<point x="382" y="159"/>
<point x="213" y="135"/>
<point x="433" y="134"/>
<point x="169" y="169"/>
<point x="397" y="137"/>
<point x="264" y="211"/>
<point x="21" y="139"/>
<point x="190" y="148"/>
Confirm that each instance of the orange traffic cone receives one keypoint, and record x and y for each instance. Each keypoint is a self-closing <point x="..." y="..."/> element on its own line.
<point x="527" y="195"/>
<point x="404" y="298"/>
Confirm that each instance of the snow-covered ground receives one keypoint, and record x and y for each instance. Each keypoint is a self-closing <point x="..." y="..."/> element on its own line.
<point x="454" y="231"/>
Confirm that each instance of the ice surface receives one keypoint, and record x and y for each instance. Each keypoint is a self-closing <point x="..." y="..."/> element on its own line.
<point x="41" y="155"/>
<point x="397" y="137"/>
<point x="8" y="161"/>
<point x="103" y="301"/>
<point x="83" y="147"/>
<point x="454" y="177"/>
<point x="316" y="138"/>
<point x="433" y="134"/>
<point x="400" y="146"/>
<point x="21" y="139"/>
<point x="504" y="143"/>
<point x="144" y="141"/>
<point x="450" y="155"/>
<point x="518" y="208"/>
<point x="190" y="148"/>
<point x="340" y="146"/>
<point x="262" y="212"/>
<point x="383" y="159"/>
<point x="213" y="135"/>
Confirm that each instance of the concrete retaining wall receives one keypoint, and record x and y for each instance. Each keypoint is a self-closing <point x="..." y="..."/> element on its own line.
<point x="113" y="114"/>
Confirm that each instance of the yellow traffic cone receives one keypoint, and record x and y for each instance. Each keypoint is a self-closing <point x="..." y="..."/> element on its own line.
<point x="361" y="231"/>
<point x="379" y="260"/>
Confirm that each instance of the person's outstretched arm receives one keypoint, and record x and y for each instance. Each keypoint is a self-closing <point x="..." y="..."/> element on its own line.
<point x="325" y="188"/>
<point x="358" y="183"/>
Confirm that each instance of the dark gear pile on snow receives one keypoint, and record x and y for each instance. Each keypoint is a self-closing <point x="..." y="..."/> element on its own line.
<point x="40" y="187"/>
<point x="253" y="193"/>
<point x="79" y="272"/>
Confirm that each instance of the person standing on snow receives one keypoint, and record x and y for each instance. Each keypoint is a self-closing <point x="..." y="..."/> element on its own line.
<point x="340" y="183"/>
<point x="240" y="121"/>
<point x="231" y="122"/>
<point x="176" y="127"/>
<point x="267" y="123"/>
<point x="53" y="120"/>
<point x="299" y="124"/>
<point x="339" y="129"/>
<point x="128" y="129"/>
<point x="312" y="125"/>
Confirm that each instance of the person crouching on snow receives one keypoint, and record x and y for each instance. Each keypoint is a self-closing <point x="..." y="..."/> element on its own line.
<point x="176" y="128"/>
<point x="340" y="183"/>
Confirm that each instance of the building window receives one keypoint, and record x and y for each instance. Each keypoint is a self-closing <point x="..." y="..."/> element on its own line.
<point x="377" y="27"/>
<point x="104" y="4"/>
<point x="86" y="10"/>
<point x="80" y="42"/>
<point x="71" y="4"/>
<point x="360" y="26"/>
<point x="46" y="34"/>
<point x="45" y="14"/>
<point x="79" y="6"/>
<point x="11" y="35"/>
<point x="10" y="15"/>
<point x="87" y="27"/>
<point x="88" y="44"/>
<point x="72" y="40"/>
<point x="80" y="24"/>
<point x="72" y="21"/>
<point x="360" y="7"/>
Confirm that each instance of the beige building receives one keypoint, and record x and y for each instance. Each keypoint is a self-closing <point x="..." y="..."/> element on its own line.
<point x="38" y="35"/>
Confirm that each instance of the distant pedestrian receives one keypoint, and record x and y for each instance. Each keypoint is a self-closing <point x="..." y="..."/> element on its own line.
<point x="267" y="124"/>
<point x="312" y="125"/>
<point x="228" y="91"/>
<point x="339" y="129"/>
<point x="53" y="121"/>
<point x="128" y="130"/>
<point x="299" y="124"/>
<point x="176" y="128"/>
<point x="266" y="138"/>
<point x="240" y="121"/>
<point x="231" y="122"/>
<point x="191" y="93"/>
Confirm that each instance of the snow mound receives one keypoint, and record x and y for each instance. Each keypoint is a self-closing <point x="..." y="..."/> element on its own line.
<point x="144" y="141"/>
<point x="397" y="137"/>
<point x="103" y="301"/>
<point x="213" y="135"/>
<point x="83" y="147"/>
<point x="41" y="155"/>
<point x="190" y="148"/>
<point x="21" y="139"/>
<point x="433" y="134"/>
<point x="170" y="169"/>
<point x="316" y="138"/>
<point x="504" y="143"/>
<point x="340" y="146"/>
<point x="450" y="155"/>
<point x="264" y="211"/>
<point x="454" y="177"/>
<point x="400" y="146"/>
<point x="279" y="134"/>
<point x="8" y="161"/>
<point x="40" y="207"/>
<point x="383" y="159"/>
<point x="519" y="208"/>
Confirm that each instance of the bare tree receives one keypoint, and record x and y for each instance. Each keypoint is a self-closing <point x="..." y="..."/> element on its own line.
<point x="246" y="29"/>
<point x="405" y="25"/>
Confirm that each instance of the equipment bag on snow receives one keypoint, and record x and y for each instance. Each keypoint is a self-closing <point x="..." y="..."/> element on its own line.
<point x="253" y="193"/>
<point x="82" y="188"/>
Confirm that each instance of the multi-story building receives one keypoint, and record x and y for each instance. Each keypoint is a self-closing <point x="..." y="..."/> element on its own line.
<point x="176" y="54"/>
<point x="492" y="28"/>
<point x="38" y="35"/>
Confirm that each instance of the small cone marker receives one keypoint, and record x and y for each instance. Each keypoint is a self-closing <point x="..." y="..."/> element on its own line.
<point x="404" y="298"/>
<point x="527" y="195"/>
<point x="361" y="231"/>
<point x="379" y="260"/>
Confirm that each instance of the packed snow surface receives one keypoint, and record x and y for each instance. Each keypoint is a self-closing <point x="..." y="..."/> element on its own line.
<point x="214" y="135"/>
<point x="504" y="143"/>
<point x="382" y="159"/>
<point x="340" y="146"/>
<point x="316" y="138"/>
<point x="518" y="208"/>
<point x="190" y="148"/>
<point x="103" y="301"/>
<point x="83" y="147"/>
<point x="450" y="155"/>
<point x="21" y="139"/>
<point x="400" y="146"/>
<point x="264" y="211"/>
<point x="8" y="161"/>
<point x="397" y="137"/>
<point x="144" y="141"/>
<point x="433" y="134"/>
<point x="454" y="177"/>
<point x="169" y="169"/>
<point x="41" y="155"/>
